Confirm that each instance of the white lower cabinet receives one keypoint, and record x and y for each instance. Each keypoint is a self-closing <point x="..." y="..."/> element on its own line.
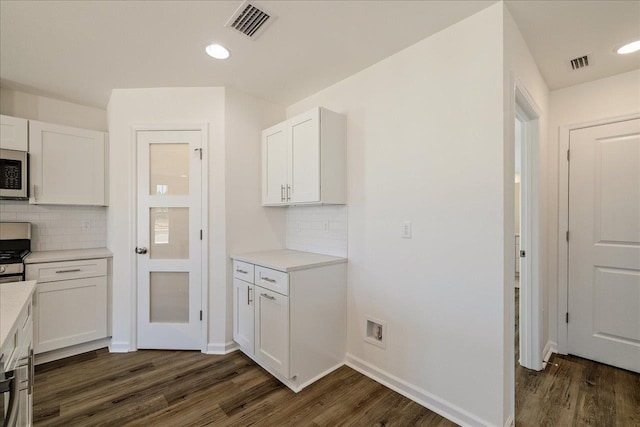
<point x="243" y="314"/>
<point x="70" y="303"/>
<point x="293" y="323"/>
<point x="272" y="330"/>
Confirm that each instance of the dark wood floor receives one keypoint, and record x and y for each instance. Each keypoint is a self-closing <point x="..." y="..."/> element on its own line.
<point x="173" y="388"/>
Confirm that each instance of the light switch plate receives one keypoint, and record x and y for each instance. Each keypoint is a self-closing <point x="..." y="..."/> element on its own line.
<point x="406" y="230"/>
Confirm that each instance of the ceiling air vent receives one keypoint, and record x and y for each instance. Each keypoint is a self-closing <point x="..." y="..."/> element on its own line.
<point x="249" y="20"/>
<point x="580" y="62"/>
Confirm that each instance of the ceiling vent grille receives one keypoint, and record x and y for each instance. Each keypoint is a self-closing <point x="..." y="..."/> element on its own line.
<point x="580" y="62"/>
<point x="249" y="20"/>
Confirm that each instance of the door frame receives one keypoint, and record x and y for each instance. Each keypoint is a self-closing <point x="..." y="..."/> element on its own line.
<point x="528" y="112"/>
<point x="564" y="132"/>
<point x="133" y="220"/>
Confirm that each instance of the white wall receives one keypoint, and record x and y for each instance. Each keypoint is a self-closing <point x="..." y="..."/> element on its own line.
<point x="249" y="226"/>
<point x="228" y="213"/>
<point x="425" y="143"/>
<point x="34" y="107"/>
<point x="605" y="98"/>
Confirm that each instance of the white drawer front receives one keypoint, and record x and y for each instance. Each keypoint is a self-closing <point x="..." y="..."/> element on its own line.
<point x="56" y="271"/>
<point x="274" y="280"/>
<point x="243" y="271"/>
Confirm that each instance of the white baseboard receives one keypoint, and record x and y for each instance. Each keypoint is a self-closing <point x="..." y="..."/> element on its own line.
<point x="510" y="422"/>
<point x="120" y="347"/>
<point x="549" y="349"/>
<point x="52" y="355"/>
<point x="423" y="397"/>
<point x="226" y="348"/>
<point x="317" y="377"/>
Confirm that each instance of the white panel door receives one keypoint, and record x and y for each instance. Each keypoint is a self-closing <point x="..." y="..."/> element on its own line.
<point x="604" y="244"/>
<point x="272" y="330"/>
<point x="304" y="157"/>
<point x="67" y="165"/>
<point x="169" y="242"/>
<point x="274" y="165"/>
<point x="243" y="314"/>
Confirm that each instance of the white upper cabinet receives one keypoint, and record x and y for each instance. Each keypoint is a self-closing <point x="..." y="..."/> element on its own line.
<point x="13" y="133"/>
<point x="67" y="165"/>
<point x="304" y="160"/>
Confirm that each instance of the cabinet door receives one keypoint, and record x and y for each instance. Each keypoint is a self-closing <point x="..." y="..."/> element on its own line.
<point x="272" y="330"/>
<point x="304" y="157"/>
<point x="243" y="314"/>
<point x="274" y="165"/>
<point x="67" y="165"/>
<point x="13" y="133"/>
<point x="69" y="312"/>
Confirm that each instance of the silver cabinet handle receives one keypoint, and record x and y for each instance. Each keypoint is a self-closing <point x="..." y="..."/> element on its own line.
<point x="141" y="251"/>
<point x="282" y="193"/>
<point x="249" y="301"/>
<point x="266" y="279"/>
<point x="72" y="270"/>
<point x="268" y="297"/>
<point x="288" y="193"/>
<point x="32" y="371"/>
<point x="241" y="271"/>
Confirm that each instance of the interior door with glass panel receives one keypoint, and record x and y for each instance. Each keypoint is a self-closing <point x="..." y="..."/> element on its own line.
<point x="169" y="240"/>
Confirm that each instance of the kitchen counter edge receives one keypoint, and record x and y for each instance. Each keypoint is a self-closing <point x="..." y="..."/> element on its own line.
<point x="13" y="298"/>
<point x="287" y="260"/>
<point x="38" y="257"/>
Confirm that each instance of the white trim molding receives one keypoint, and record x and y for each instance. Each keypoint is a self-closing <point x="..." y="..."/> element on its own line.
<point x="418" y="395"/>
<point x="226" y="348"/>
<point x="562" y="347"/>
<point x="510" y="422"/>
<point x="120" y="347"/>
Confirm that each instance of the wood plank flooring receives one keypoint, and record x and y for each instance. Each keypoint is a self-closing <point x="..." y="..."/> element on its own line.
<point x="178" y="388"/>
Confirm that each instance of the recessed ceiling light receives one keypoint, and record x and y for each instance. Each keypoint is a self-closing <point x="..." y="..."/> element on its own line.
<point x="217" y="51"/>
<point x="629" y="48"/>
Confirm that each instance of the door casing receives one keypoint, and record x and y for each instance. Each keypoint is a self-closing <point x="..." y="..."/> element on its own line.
<point x="563" y="221"/>
<point x="133" y="218"/>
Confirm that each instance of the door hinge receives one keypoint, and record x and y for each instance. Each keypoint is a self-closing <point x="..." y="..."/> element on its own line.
<point x="566" y="318"/>
<point x="568" y="155"/>
<point x="200" y="315"/>
<point x="200" y="234"/>
<point x="567" y="235"/>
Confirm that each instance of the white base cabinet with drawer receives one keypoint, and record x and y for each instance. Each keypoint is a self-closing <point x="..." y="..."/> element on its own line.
<point x="70" y="303"/>
<point x="293" y="323"/>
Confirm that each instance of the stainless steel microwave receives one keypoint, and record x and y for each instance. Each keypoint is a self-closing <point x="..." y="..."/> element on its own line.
<point x="14" y="175"/>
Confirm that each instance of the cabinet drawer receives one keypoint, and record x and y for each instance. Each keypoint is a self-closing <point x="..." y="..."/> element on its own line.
<point x="243" y="271"/>
<point x="56" y="271"/>
<point x="274" y="280"/>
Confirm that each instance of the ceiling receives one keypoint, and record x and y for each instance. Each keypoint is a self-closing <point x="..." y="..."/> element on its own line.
<point x="79" y="50"/>
<point x="557" y="31"/>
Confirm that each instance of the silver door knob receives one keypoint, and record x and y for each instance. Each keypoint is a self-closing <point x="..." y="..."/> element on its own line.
<point x="141" y="251"/>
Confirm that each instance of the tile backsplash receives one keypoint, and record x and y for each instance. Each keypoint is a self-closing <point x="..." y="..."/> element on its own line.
<point x="59" y="227"/>
<point x="319" y="229"/>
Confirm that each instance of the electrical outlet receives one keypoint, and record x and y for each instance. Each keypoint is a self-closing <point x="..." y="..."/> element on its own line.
<point x="406" y="230"/>
<point x="325" y="226"/>
<point x="86" y="225"/>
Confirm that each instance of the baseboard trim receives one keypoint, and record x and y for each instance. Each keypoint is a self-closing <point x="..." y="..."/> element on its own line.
<point x="317" y="377"/>
<point x="549" y="349"/>
<point x="418" y="395"/>
<point x="119" y="347"/>
<point x="226" y="348"/>
<point x="510" y="422"/>
<point x="52" y="355"/>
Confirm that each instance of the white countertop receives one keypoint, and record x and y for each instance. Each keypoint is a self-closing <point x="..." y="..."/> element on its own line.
<point x="13" y="298"/>
<point x="68" y="255"/>
<point x="287" y="260"/>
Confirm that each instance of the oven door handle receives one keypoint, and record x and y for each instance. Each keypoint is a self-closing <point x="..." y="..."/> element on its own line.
<point x="11" y="385"/>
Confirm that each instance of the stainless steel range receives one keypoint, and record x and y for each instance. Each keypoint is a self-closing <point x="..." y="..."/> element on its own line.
<point x="15" y="245"/>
